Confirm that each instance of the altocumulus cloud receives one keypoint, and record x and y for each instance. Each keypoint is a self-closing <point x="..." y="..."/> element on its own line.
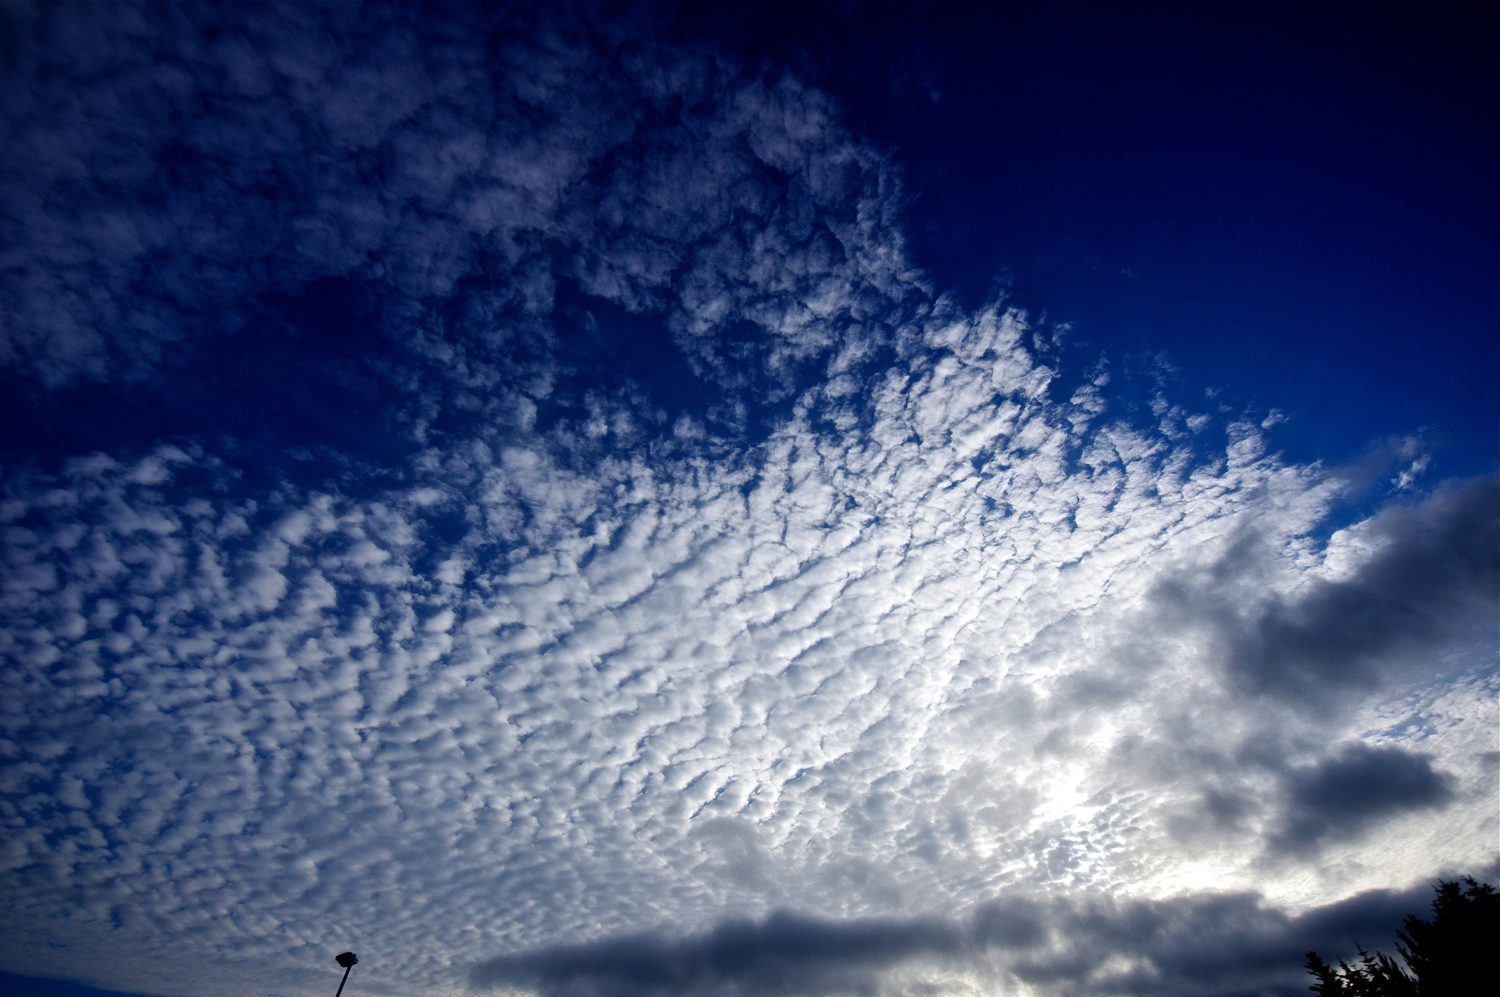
<point x="629" y="575"/>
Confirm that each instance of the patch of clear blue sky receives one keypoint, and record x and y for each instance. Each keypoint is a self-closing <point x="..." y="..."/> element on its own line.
<point x="1295" y="202"/>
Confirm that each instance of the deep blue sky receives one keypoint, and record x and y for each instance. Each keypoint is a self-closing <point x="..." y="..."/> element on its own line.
<point x="1297" y="202"/>
<point x="1292" y="206"/>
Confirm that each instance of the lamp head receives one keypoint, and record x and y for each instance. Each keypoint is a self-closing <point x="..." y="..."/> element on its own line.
<point x="346" y="959"/>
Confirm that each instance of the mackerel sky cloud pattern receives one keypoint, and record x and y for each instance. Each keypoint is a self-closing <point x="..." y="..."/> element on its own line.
<point x="554" y="540"/>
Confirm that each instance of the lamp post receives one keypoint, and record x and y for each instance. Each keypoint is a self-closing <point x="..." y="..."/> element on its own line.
<point x="347" y="960"/>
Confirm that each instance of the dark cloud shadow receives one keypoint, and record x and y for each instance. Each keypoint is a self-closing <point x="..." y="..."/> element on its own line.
<point x="1437" y="575"/>
<point x="783" y="954"/>
<point x="1195" y="943"/>
<point x="1351" y="791"/>
<point x="37" y="986"/>
<point x="1431" y="583"/>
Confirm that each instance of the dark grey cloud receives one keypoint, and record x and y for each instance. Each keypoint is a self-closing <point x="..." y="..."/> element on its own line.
<point x="1252" y="794"/>
<point x="1196" y="943"/>
<point x="1352" y="790"/>
<point x="1429" y="581"/>
<point x="783" y="954"/>
<point x="1434" y="578"/>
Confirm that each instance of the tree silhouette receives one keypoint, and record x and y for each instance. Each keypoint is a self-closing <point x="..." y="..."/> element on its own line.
<point x="1443" y="956"/>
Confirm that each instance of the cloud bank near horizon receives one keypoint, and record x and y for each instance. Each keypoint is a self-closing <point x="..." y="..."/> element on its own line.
<point x="1192" y="943"/>
<point x="569" y="518"/>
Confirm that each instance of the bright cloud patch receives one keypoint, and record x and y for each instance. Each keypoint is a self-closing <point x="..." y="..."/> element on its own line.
<point x="578" y="554"/>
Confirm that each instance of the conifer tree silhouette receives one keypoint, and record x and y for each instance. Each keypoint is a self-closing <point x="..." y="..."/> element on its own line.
<point x="1444" y="956"/>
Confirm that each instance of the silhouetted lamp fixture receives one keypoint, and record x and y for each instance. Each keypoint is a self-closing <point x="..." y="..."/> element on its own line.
<point x="347" y="960"/>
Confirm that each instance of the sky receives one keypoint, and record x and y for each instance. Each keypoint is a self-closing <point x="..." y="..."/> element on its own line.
<point x="611" y="499"/>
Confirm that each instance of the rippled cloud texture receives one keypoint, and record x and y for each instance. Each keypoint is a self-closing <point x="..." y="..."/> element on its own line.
<point x="560" y="545"/>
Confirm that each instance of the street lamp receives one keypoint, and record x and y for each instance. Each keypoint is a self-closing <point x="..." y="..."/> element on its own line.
<point x="347" y="960"/>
